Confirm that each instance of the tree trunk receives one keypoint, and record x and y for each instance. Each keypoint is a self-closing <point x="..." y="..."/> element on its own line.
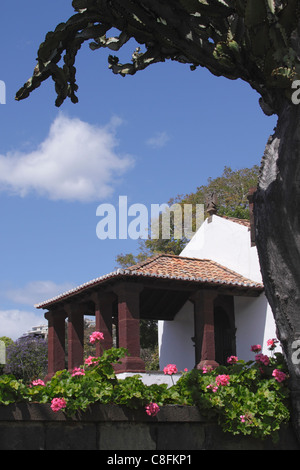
<point x="277" y="221"/>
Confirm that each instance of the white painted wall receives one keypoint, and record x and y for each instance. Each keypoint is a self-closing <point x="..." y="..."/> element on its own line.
<point x="228" y="243"/>
<point x="254" y="325"/>
<point x="175" y="339"/>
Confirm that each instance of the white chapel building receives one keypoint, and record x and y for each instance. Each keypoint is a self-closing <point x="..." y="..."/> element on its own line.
<point x="226" y="241"/>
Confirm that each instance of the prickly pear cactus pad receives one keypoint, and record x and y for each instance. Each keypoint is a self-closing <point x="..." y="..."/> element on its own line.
<point x="255" y="40"/>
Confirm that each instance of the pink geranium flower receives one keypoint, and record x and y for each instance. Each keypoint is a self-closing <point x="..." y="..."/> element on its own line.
<point x="279" y="375"/>
<point x="263" y="359"/>
<point x="96" y="336"/>
<point x="213" y="387"/>
<point x="222" y="379"/>
<point x="77" y="371"/>
<point x="91" y="361"/>
<point x="256" y="348"/>
<point x="272" y="343"/>
<point x="170" y="369"/>
<point x="57" y="404"/>
<point x="232" y="360"/>
<point x="152" y="409"/>
<point x="38" y="382"/>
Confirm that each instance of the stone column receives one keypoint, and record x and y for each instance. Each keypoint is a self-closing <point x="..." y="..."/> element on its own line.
<point x="56" y="341"/>
<point x="75" y="335"/>
<point x="129" y="326"/>
<point x="103" y="313"/>
<point x="204" y="329"/>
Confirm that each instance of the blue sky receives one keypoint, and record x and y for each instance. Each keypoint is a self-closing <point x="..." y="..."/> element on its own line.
<point x="150" y="137"/>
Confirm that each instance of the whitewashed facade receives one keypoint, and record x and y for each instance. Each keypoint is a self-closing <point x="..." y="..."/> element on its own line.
<point x="227" y="242"/>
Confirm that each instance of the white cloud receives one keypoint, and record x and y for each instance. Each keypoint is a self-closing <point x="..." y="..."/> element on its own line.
<point x="76" y="162"/>
<point x="158" y="140"/>
<point x="35" y="292"/>
<point x="14" y="323"/>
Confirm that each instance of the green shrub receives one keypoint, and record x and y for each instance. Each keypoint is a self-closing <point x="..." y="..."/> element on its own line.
<point x="27" y="358"/>
<point x="244" y="397"/>
<point x="250" y="398"/>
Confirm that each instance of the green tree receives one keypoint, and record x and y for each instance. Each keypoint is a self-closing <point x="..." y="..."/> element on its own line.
<point x="231" y="189"/>
<point x="257" y="41"/>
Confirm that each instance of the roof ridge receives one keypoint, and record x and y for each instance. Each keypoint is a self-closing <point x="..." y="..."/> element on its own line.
<point x="143" y="263"/>
<point x="159" y="255"/>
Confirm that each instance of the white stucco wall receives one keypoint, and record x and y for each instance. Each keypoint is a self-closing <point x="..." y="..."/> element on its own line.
<point x="254" y="325"/>
<point x="174" y="337"/>
<point x="228" y="243"/>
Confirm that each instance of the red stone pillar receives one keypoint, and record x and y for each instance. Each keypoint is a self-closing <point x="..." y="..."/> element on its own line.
<point x="204" y="329"/>
<point x="56" y="342"/>
<point x="75" y="336"/>
<point x="129" y="326"/>
<point x="104" y="313"/>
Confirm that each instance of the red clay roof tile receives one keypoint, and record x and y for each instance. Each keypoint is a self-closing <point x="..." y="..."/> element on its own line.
<point x="177" y="268"/>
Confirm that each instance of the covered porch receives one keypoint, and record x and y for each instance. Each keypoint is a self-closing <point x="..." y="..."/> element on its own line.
<point x="155" y="289"/>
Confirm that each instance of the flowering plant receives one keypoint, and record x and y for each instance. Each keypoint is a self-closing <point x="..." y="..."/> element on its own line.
<point x="93" y="382"/>
<point x="27" y="358"/>
<point x="170" y="369"/>
<point x="58" y="403"/>
<point x="152" y="409"/>
<point x="246" y="397"/>
<point x="256" y="348"/>
<point x="232" y="360"/>
<point x="77" y="371"/>
<point x="272" y="343"/>
<point x="96" y="336"/>
<point x="38" y="382"/>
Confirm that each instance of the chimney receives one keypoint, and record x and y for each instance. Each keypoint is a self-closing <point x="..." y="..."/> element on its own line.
<point x="211" y="204"/>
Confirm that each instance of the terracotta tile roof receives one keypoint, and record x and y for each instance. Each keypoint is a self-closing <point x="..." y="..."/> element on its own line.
<point x="177" y="268"/>
<point x="191" y="269"/>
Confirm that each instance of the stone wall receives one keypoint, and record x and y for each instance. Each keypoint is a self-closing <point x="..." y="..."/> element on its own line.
<point x="110" y="428"/>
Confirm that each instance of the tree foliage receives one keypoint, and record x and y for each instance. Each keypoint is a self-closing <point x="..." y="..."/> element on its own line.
<point x="27" y="358"/>
<point x="253" y="40"/>
<point x="231" y="189"/>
